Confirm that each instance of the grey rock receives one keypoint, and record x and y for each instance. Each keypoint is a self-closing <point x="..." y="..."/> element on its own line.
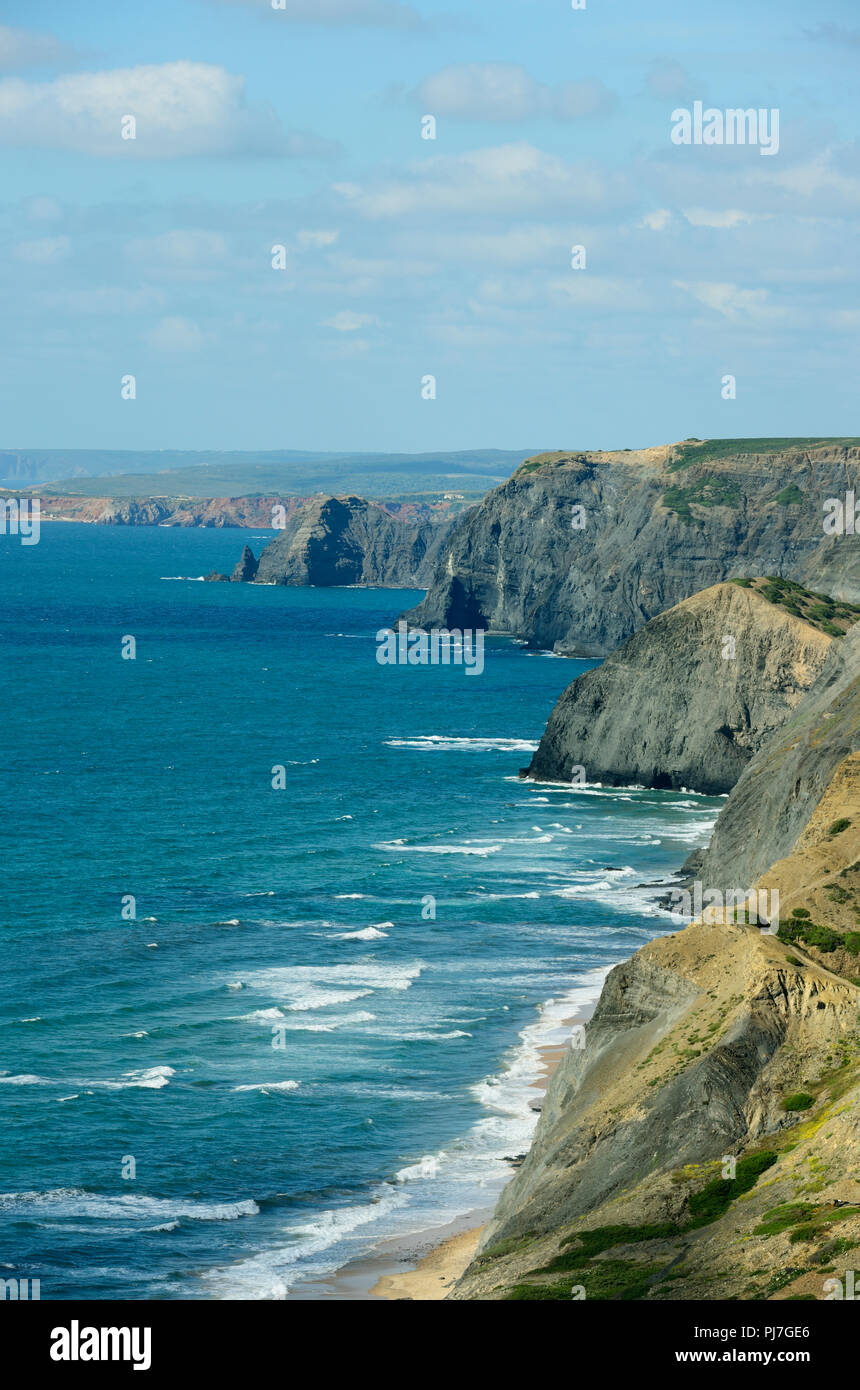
<point x="780" y="788"/>
<point x="668" y="709"/>
<point x="246" y="567"/>
<point x="515" y="563"/>
<point x="347" y="540"/>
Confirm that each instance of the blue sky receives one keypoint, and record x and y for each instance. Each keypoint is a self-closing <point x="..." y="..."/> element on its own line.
<point x="301" y="127"/>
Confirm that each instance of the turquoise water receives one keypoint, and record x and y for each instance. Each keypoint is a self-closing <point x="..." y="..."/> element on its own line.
<point x="409" y="1043"/>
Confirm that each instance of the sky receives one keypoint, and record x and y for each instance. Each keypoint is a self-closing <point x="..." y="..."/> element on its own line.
<point x="404" y="258"/>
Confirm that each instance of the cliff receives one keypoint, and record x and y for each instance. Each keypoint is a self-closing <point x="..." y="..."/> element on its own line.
<point x="346" y="540"/>
<point x="704" y="1142"/>
<point x="715" y="1043"/>
<point x="579" y="550"/>
<point x="689" y="699"/>
<point x="783" y="784"/>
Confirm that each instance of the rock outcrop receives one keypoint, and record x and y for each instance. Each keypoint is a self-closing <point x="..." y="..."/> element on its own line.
<point x="347" y="540"/>
<point x="578" y="551"/>
<point x="704" y="1055"/>
<point x="781" y="787"/>
<point x="689" y="699"/>
<point x="704" y="1142"/>
<point x="246" y="567"/>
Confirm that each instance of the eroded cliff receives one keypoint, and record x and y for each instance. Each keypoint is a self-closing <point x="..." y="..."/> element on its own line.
<point x="689" y="699"/>
<point x="577" y="551"/>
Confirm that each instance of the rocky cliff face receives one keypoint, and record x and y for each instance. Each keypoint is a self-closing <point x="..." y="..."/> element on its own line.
<point x="346" y="540"/>
<point x="783" y="784"/>
<point x="687" y="701"/>
<point x="578" y="551"/>
<point x="704" y="1143"/>
<point x="674" y="1157"/>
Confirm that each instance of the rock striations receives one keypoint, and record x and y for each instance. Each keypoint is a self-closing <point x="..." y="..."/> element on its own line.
<point x="705" y="1141"/>
<point x="347" y="541"/>
<point x="687" y="701"/>
<point x="577" y="551"/>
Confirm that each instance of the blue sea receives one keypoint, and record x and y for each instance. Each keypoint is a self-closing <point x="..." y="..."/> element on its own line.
<point x="321" y="1027"/>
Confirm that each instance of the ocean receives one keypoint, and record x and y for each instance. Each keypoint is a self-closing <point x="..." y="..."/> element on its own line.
<point x="248" y="1031"/>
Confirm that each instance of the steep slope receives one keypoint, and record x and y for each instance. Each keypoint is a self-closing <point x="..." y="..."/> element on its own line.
<point x="655" y="526"/>
<point x="689" y="699"/>
<point x="716" y="1043"/>
<point x="780" y="788"/>
<point x="705" y="1142"/>
<point x="346" y="540"/>
<point x="708" y="1046"/>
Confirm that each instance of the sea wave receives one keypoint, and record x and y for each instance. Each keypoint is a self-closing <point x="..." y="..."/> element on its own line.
<point x="445" y="743"/>
<point x="77" y="1202"/>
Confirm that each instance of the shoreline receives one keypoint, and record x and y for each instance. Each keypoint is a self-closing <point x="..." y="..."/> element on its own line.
<point x="424" y="1265"/>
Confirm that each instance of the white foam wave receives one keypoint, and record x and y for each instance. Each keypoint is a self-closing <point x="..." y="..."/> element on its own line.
<point x="446" y="743"/>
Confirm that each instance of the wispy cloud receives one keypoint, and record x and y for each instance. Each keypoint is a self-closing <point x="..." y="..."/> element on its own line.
<point x="516" y="178"/>
<point x="508" y="92"/>
<point x="179" y="109"/>
<point x="25" y="48"/>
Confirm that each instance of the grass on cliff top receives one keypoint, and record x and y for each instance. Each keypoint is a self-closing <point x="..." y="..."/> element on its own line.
<point x="831" y="615"/>
<point x="704" y="451"/>
<point x="709" y="450"/>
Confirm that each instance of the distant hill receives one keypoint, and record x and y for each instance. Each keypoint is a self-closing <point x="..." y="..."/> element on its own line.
<point x="100" y="473"/>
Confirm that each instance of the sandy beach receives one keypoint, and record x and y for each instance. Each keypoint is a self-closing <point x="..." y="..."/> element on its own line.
<point x="424" y="1266"/>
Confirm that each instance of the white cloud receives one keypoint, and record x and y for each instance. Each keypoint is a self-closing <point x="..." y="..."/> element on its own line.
<point x="348" y="322"/>
<point x="515" y="178"/>
<point x="656" y="221"/>
<point x="24" y="48"/>
<point x="602" y="292"/>
<point x="667" y="80"/>
<point x="730" y="301"/>
<point x="44" y="209"/>
<point x="175" y="334"/>
<point x="43" y="251"/>
<point x="180" y="248"/>
<point x="507" y="92"/>
<point x="381" y="14"/>
<point x="180" y="109"/>
<point x="731" y="217"/>
<point x="316" y="240"/>
<point x="107" y="300"/>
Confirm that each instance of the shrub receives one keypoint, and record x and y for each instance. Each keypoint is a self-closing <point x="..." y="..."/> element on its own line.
<point x="839" y="825"/>
<point x="800" y="1100"/>
<point x="715" y="1197"/>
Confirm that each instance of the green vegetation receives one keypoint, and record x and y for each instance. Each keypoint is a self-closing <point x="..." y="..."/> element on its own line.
<point x="602" y="1238"/>
<point x="839" y="825"/>
<point x="824" y="939"/>
<point x="717" y="1195"/>
<point x="790" y="496"/>
<point x="713" y="449"/>
<point x="783" y="1217"/>
<point x="800" y="912"/>
<point x="709" y="491"/>
<point x="628" y="1279"/>
<point x="799" y="1100"/>
<point x="829" y="615"/>
<point x="616" y="1280"/>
